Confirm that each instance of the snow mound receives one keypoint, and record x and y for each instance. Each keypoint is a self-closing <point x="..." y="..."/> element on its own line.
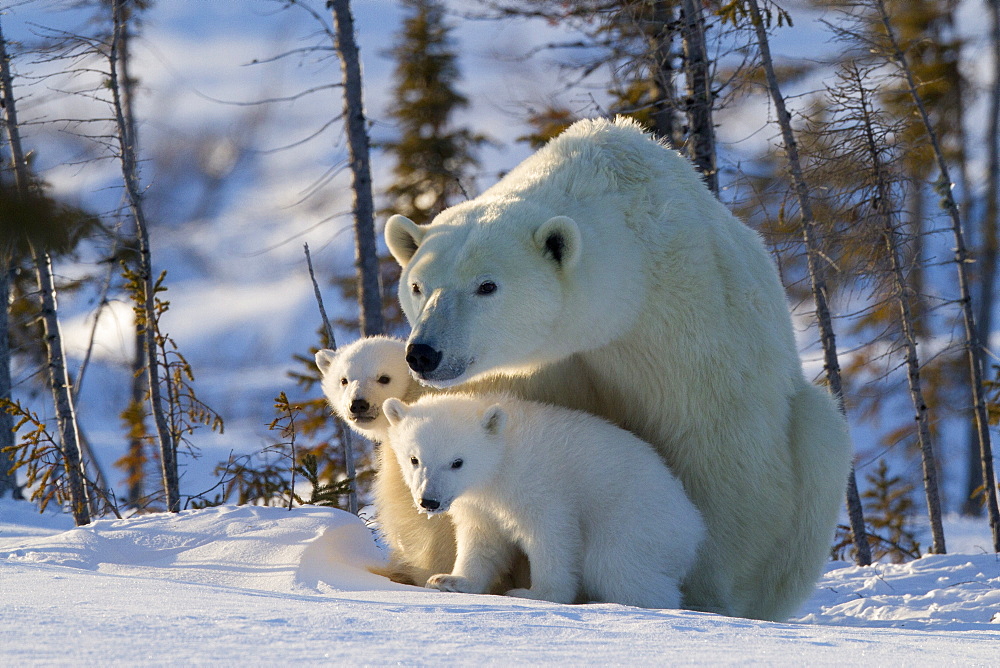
<point x="261" y="586"/>
<point x="954" y="591"/>
<point x="248" y="547"/>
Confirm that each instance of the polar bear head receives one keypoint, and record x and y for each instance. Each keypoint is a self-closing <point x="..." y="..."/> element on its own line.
<point x="359" y="377"/>
<point x="485" y="297"/>
<point x="446" y="445"/>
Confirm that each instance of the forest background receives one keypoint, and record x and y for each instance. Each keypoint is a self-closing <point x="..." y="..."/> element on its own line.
<point x="235" y="111"/>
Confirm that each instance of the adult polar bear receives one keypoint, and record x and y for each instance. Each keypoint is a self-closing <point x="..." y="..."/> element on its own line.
<point x="602" y="274"/>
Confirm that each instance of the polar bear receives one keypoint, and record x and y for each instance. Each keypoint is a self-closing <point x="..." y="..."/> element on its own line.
<point x="597" y="512"/>
<point x="602" y="274"/>
<point x="357" y="379"/>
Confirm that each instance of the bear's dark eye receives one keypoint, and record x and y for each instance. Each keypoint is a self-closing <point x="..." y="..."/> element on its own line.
<point x="415" y="288"/>
<point x="384" y="380"/>
<point x="457" y="464"/>
<point x="414" y="461"/>
<point x="343" y="381"/>
<point x="486" y="288"/>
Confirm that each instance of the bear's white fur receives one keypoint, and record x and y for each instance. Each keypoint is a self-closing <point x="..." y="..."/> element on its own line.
<point x="602" y="274"/>
<point x="357" y="379"/>
<point x="597" y="512"/>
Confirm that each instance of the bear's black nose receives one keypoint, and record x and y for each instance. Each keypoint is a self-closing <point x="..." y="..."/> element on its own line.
<point x="422" y="358"/>
<point x="359" y="406"/>
<point x="430" y="504"/>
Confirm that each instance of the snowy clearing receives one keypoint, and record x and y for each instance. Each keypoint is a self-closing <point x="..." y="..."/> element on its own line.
<point x="254" y="585"/>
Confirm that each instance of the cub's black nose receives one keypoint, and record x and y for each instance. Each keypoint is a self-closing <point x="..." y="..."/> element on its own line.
<point x="422" y="358"/>
<point x="430" y="504"/>
<point x="359" y="406"/>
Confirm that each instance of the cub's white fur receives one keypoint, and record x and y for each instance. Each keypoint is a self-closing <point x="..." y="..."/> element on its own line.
<point x="357" y="379"/>
<point x="597" y="513"/>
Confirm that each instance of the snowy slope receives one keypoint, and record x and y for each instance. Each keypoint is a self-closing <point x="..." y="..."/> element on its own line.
<point x="251" y="585"/>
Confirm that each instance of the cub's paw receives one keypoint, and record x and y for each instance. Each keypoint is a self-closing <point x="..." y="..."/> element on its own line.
<point x="447" y="582"/>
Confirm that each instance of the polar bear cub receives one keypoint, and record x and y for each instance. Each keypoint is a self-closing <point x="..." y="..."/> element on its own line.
<point x="357" y="379"/>
<point x="598" y="514"/>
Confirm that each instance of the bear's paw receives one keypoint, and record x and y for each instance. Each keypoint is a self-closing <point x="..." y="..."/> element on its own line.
<point x="448" y="582"/>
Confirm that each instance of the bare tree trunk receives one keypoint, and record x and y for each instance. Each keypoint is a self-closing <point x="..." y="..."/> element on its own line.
<point x="366" y="257"/>
<point x="136" y="476"/>
<point x="8" y="481"/>
<point x="58" y="375"/>
<point x="346" y="436"/>
<point x="699" y="93"/>
<point x="972" y="344"/>
<point x="61" y="393"/>
<point x="988" y="256"/>
<point x="891" y="237"/>
<point x="126" y="85"/>
<point x="817" y="277"/>
<point x="659" y="37"/>
<point x="168" y="448"/>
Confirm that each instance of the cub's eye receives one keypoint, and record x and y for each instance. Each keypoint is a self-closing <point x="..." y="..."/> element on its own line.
<point x="486" y="288"/>
<point x="415" y="289"/>
<point x="383" y="380"/>
<point x="343" y="381"/>
<point x="414" y="461"/>
<point x="457" y="464"/>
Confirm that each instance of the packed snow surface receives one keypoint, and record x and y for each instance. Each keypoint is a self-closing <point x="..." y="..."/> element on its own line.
<point x="253" y="585"/>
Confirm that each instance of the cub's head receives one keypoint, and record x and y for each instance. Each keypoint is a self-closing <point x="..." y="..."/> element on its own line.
<point x="484" y="296"/>
<point x="359" y="377"/>
<point x="446" y="447"/>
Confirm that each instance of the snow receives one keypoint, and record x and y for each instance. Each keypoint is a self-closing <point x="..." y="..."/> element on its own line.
<point x="247" y="584"/>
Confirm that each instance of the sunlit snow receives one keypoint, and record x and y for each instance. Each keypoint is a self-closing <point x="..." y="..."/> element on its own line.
<point x="253" y="585"/>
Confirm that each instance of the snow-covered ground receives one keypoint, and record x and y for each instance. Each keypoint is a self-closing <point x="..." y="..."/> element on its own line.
<point x="254" y="586"/>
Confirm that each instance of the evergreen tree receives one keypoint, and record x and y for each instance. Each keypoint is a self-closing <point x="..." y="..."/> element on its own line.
<point x="855" y="261"/>
<point x="812" y="238"/>
<point x="433" y="157"/>
<point x="932" y="47"/>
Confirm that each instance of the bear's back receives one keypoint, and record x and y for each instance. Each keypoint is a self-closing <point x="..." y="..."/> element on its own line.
<point x="594" y="157"/>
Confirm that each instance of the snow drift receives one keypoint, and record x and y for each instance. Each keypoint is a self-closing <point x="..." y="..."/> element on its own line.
<point x="266" y="585"/>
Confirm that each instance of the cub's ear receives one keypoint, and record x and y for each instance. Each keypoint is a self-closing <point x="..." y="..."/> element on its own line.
<point x="494" y="419"/>
<point x="559" y="239"/>
<point x="325" y="359"/>
<point x="394" y="410"/>
<point x="403" y="237"/>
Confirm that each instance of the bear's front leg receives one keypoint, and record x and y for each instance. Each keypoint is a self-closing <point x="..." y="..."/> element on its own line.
<point x="482" y="551"/>
<point x="554" y="547"/>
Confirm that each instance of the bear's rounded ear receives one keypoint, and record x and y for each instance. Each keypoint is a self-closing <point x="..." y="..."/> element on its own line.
<point x="394" y="410"/>
<point x="324" y="359"/>
<point x="403" y="237"/>
<point x="559" y="239"/>
<point x="494" y="419"/>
